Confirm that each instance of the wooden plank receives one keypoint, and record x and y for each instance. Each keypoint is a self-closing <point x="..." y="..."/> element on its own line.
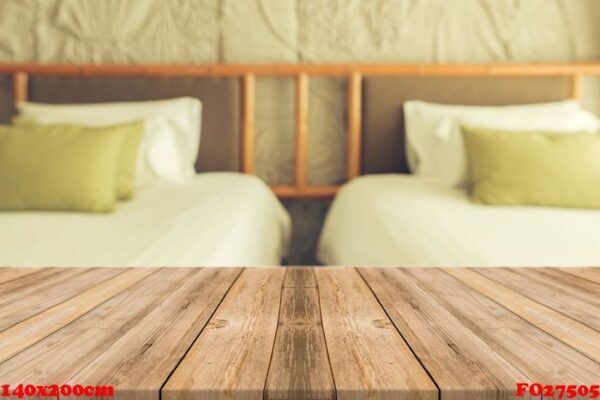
<point x="536" y="353"/>
<point x="301" y="147"/>
<point x="230" y="359"/>
<point x="354" y="136"/>
<point x="62" y="354"/>
<point x="307" y="192"/>
<point x="300" y="364"/>
<point x="574" y="283"/>
<point x="237" y="70"/>
<point x="369" y="359"/>
<point x="28" y="280"/>
<point x="463" y="366"/>
<point x="561" y="292"/>
<point x="576" y="88"/>
<point x="248" y="123"/>
<point x="26" y="333"/>
<point x="10" y="274"/>
<point x="590" y="274"/>
<point x="573" y="333"/>
<point x="20" y="86"/>
<point x="45" y="291"/>
<point x="139" y="363"/>
<point x="300" y="277"/>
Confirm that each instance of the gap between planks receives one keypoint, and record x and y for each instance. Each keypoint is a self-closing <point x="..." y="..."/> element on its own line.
<point x="458" y="361"/>
<point x="299" y="333"/>
<point x="362" y="276"/>
<point x="11" y="274"/>
<point x="20" y="336"/>
<point x="161" y="293"/>
<point x="232" y="357"/>
<point x="368" y="356"/>
<point x="571" y="332"/>
<point x="160" y="391"/>
<point x="569" y="295"/>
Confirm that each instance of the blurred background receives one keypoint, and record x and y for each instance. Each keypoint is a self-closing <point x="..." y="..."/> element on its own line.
<point x="303" y="31"/>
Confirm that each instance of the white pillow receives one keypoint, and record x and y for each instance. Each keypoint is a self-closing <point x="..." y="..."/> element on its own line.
<point x="169" y="146"/>
<point x="435" y="148"/>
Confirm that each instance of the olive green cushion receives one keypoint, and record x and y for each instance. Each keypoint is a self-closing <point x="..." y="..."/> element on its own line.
<point x="127" y="159"/>
<point x="65" y="168"/>
<point x="533" y="168"/>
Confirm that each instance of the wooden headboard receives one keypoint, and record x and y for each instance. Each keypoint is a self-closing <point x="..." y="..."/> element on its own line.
<point x="369" y="149"/>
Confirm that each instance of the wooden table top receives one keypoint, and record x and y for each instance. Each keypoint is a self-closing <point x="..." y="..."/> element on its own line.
<point x="300" y="333"/>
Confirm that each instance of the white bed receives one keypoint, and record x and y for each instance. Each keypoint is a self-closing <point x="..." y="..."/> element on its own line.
<point x="403" y="220"/>
<point x="216" y="219"/>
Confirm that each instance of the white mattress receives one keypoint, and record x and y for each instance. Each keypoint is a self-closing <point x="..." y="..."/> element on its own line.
<point x="404" y="221"/>
<point x="217" y="219"/>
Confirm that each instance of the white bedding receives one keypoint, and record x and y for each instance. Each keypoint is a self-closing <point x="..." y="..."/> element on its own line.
<point x="404" y="220"/>
<point x="216" y="219"/>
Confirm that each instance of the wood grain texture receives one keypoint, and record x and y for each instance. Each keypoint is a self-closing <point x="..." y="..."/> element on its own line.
<point x="571" y="332"/>
<point x="538" y="354"/>
<point x="26" y="333"/>
<point x="23" y="298"/>
<point x="567" y="294"/>
<point x="230" y="359"/>
<point x="300" y="364"/>
<point x="9" y="274"/>
<point x="62" y="354"/>
<point x="590" y="274"/>
<point x="300" y="277"/>
<point x="463" y="366"/>
<point x="17" y="282"/>
<point x="369" y="358"/>
<point x="141" y="360"/>
<point x="300" y="333"/>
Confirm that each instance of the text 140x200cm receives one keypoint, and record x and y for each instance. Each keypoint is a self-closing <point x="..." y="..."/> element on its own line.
<point x="76" y="390"/>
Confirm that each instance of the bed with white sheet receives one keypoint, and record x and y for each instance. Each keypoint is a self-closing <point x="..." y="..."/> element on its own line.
<point x="190" y="207"/>
<point x="412" y="207"/>
<point x="214" y="219"/>
<point x="405" y="220"/>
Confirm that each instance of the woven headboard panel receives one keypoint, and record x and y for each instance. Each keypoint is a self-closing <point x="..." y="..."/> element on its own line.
<point x="383" y="123"/>
<point x="220" y="148"/>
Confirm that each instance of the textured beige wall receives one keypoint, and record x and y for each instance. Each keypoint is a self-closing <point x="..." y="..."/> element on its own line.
<point x="207" y="31"/>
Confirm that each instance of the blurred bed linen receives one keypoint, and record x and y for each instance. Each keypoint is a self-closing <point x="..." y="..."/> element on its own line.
<point x="214" y="219"/>
<point x="402" y="220"/>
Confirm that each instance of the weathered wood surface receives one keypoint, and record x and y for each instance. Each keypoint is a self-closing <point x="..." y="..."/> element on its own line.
<point x="459" y="361"/>
<point x="300" y="364"/>
<point x="300" y="333"/>
<point x="230" y="359"/>
<point x="369" y="358"/>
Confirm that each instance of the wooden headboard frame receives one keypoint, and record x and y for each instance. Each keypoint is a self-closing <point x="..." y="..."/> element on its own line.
<point x="354" y="74"/>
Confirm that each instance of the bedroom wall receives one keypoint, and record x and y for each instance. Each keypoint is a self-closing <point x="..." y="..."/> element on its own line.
<point x="266" y="31"/>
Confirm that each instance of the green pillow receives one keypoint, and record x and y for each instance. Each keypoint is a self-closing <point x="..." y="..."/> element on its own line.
<point x="127" y="159"/>
<point x="533" y="168"/>
<point x="65" y="168"/>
